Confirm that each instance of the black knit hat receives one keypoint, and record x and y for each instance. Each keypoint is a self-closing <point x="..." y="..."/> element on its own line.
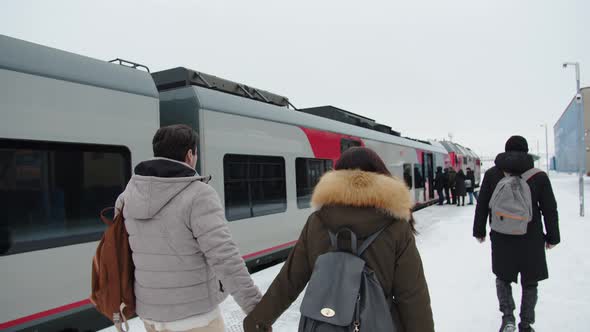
<point x="517" y="143"/>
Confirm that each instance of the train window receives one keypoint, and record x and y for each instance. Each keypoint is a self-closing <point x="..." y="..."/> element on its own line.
<point x="418" y="178"/>
<point x="254" y="186"/>
<point x="52" y="193"/>
<point x="408" y="175"/>
<point x="308" y="172"/>
<point x="346" y="144"/>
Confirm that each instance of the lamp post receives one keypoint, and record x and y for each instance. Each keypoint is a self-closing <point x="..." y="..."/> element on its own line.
<point x="547" y="148"/>
<point x="582" y="143"/>
<point x="538" y="154"/>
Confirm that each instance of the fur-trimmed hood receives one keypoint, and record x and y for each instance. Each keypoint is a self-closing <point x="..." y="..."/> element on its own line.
<point x="355" y="188"/>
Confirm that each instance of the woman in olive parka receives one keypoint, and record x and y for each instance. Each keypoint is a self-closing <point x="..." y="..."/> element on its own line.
<point x="360" y="194"/>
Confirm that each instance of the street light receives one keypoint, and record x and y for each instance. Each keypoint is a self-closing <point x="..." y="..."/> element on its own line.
<point x="546" y="147"/>
<point x="582" y="143"/>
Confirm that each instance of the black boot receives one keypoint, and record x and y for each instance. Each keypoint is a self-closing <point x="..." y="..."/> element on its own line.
<point x="527" y="307"/>
<point x="507" y="306"/>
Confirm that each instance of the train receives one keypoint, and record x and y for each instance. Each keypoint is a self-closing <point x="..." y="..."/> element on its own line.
<point x="72" y="128"/>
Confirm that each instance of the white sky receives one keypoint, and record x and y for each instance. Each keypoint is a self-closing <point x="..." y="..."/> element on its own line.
<point x="482" y="70"/>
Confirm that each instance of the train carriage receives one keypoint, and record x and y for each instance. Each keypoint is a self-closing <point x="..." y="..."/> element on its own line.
<point x="73" y="128"/>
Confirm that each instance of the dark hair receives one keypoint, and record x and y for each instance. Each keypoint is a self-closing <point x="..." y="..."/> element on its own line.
<point x="173" y="142"/>
<point x="363" y="159"/>
<point x="367" y="160"/>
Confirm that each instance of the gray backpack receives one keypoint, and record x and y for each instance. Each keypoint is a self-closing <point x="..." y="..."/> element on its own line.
<point x="511" y="204"/>
<point x="343" y="294"/>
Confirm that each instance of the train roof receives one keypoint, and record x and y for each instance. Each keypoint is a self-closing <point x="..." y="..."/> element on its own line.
<point x="449" y="146"/>
<point x="471" y="153"/>
<point x="338" y="114"/>
<point x="215" y="100"/>
<point x="458" y="148"/>
<point x="180" y="76"/>
<point x="22" y="56"/>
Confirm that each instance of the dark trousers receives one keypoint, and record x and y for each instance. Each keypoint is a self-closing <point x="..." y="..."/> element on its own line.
<point x="459" y="198"/>
<point x="447" y="195"/>
<point x="441" y="197"/>
<point x="527" y="305"/>
<point x="454" y="193"/>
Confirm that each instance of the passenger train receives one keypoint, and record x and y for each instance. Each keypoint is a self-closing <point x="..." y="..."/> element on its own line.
<point x="72" y="128"/>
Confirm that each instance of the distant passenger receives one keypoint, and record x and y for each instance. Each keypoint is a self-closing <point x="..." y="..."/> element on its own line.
<point x="186" y="262"/>
<point x="460" y="190"/>
<point x="361" y="195"/>
<point x="470" y="184"/>
<point x="439" y="185"/>
<point x="452" y="183"/>
<point x="446" y="185"/>
<point x="518" y="254"/>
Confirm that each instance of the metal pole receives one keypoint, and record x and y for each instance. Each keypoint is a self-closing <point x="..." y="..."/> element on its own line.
<point x="582" y="139"/>
<point x="547" y="148"/>
<point x="538" y="154"/>
<point x="582" y="153"/>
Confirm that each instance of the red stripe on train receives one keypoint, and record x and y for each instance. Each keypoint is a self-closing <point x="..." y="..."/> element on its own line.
<point x="78" y="304"/>
<point x="266" y="251"/>
<point x="44" y="314"/>
<point x="325" y="144"/>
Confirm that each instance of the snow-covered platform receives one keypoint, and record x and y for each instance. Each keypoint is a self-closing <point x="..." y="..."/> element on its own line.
<point x="461" y="283"/>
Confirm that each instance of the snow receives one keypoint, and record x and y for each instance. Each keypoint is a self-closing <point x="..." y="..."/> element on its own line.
<point x="458" y="271"/>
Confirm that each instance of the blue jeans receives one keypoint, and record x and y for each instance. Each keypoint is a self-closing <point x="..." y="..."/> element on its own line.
<point x="470" y="197"/>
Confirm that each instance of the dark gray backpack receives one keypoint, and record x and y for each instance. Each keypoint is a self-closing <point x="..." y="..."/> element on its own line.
<point x="343" y="294"/>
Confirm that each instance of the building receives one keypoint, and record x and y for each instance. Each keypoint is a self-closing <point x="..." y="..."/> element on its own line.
<point x="567" y="135"/>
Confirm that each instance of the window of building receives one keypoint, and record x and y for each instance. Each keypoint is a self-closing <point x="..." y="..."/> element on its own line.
<point x="308" y="172"/>
<point x="52" y="193"/>
<point x="408" y="175"/>
<point x="254" y="186"/>
<point x="346" y="143"/>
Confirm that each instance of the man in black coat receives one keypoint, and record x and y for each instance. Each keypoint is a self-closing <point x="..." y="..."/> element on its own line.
<point x="446" y="184"/>
<point x="439" y="184"/>
<point x="460" y="189"/>
<point x="519" y="254"/>
<point x="452" y="184"/>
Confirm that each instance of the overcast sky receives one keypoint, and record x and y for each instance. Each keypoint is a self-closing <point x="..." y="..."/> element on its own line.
<point x="481" y="70"/>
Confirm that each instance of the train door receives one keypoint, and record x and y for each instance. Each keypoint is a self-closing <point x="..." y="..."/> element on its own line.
<point x="428" y="171"/>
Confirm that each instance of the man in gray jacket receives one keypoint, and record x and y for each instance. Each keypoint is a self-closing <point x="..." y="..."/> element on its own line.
<point x="185" y="259"/>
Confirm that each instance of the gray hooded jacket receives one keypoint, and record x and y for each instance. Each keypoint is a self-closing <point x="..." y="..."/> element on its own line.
<point x="184" y="256"/>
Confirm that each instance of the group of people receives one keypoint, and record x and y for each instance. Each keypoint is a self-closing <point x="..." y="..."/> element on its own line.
<point x="454" y="186"/>
<point x="186" y="262"/>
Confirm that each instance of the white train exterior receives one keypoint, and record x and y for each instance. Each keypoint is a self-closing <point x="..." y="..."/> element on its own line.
<point x="72" y="128"/>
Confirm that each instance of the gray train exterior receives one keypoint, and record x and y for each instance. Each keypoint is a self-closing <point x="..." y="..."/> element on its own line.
<point x="72" y="128"/>
<point x="460" y="157"/>
<point x="567" y="135"/>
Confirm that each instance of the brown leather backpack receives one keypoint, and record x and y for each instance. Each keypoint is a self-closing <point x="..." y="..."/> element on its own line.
<point x="113" y="273"/>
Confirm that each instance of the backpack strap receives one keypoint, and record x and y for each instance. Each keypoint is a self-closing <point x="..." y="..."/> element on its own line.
<point x="353" y="240"/>
<point x="368" y="241"/>
<point x="103" y="216"/>
<point x="530" y="173"/>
